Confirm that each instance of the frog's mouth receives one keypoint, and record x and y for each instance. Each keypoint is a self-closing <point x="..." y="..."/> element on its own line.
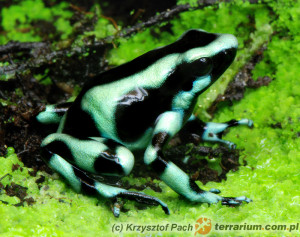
<point x="221" y="62"/>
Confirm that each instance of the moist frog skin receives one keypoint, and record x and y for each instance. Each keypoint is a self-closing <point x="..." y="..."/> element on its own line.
<point x="132" y="111"/>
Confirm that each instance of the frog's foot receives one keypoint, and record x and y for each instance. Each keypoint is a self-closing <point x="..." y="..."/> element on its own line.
<point x="80" y="181"/>
<point x="141" y="198"/>
<point x="213" y="131"/>
<point x="102" y="157"/>
<point x="181" y="183"/>
<point x="235" y="201"/>
<point x="211" y="197"/>
<point x="112" y="192"/>
<point x="230" y="201"/>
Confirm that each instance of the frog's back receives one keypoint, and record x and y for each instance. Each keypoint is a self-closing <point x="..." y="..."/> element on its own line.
<point x="191" y="39"/>
<point x="119" y="110"/>
<point x="124" y="102"/>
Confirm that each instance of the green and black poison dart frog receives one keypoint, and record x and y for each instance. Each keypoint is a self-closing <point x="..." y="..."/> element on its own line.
<point x="135" y="109"/>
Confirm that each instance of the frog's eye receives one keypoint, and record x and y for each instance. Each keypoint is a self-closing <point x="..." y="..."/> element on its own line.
<point x="197" y="68"/>
<point x="222" y="61"/>
<point x="201" y="67"/>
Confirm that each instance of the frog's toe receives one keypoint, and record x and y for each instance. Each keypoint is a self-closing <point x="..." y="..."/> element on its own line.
<point x="250" y="123"/>
<point x="244" y="198"/>
<point x="229" y="144"/>
<point x="247" y="122"/>
<point x="166" y="209"/>
<point x="235" y="201"/>
<point x="214" y="190"/>
<point x="163" y="205"/>
<point x="116" y="209"/>
<point x="213" y="132"/>
<point x="145" y="199"/>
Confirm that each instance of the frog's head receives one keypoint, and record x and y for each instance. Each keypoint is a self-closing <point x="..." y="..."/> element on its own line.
<point x="207" y="53"/>
<point x="204" y="57"/>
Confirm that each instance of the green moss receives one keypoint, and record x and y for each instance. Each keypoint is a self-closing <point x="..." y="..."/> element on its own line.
<point x="42" y="79"/>
<point x="44" y="217"/>
<point x="271" y="153"/>
<point x="63" y="27"/>
<point x="17" y="20"/>
<point x="140" y="43"/>
<point x="191" y="2"/>
<point x="103" y="27"/>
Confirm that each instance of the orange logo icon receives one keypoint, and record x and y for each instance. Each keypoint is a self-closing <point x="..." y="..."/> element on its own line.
<point x="203" y="226"/>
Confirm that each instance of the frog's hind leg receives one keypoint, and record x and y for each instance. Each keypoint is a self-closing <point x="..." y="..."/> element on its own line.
<point x="168" y="125"/>
<point x="198" y="130"/>
<point x="77" y="160"/>
<point x="91" y="186"/>
<point x="53" y="113"/>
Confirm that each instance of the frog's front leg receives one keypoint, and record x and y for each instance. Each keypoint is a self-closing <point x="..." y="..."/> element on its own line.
<point x="195" y="130"/>
<point x="168" y="125"/>
<point x="53" y="113"/>
<point x="77" y="160"/>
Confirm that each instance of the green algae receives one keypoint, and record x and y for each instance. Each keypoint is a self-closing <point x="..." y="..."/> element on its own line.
<point x="271" y="149"/>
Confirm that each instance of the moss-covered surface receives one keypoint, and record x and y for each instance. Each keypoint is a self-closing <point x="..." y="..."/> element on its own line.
<point x="271" y="150"/>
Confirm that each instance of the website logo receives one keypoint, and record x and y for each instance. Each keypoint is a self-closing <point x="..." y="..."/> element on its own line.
<point x="203" y="226"/>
